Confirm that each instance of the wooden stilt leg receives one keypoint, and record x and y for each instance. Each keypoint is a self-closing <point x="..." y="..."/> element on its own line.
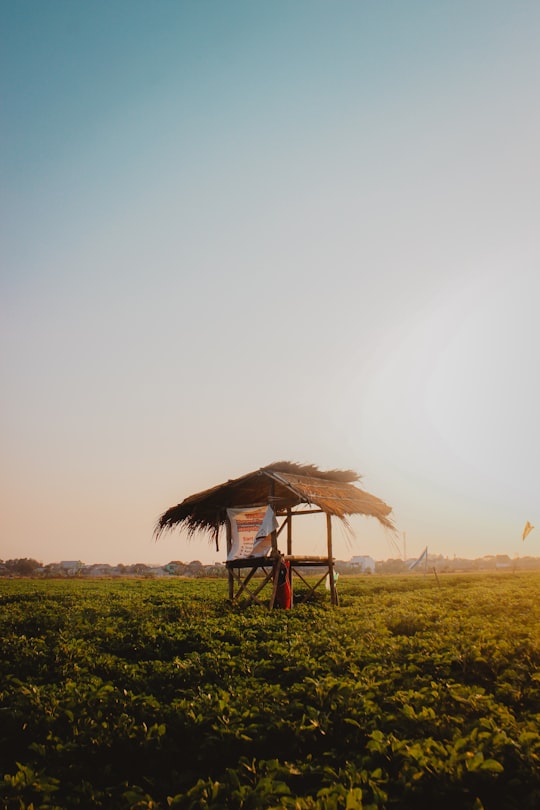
<point x="276" y="570"/>
<point x="333" y="592"/>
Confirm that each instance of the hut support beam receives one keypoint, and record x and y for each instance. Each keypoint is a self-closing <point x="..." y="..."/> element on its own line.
<point x="252" y="595"/>
<point x="263" y="572"/>
<point x="289" y="552"/>
<point x="276" y="567"/>
<point x="333" y="592"/>
<point x="311" y="588"/>
<point x="274" y="535"/>
<point x="231" y="572"/>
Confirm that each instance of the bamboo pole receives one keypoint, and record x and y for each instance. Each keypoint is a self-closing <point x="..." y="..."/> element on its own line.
<point x="229" y="546"/>
<point x="289" y="531"/>
<point x="289" y="552"/>
<point x="333" y="592"/>
<point x="275" y="580"/>
<point x="274" y="533"/>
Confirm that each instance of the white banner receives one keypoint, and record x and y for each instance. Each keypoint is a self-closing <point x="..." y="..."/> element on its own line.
<point x="250" y="532"/>
<point x="423" y="556"/>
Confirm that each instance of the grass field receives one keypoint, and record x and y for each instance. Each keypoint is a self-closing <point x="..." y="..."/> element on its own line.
<point x="154" y="694"/>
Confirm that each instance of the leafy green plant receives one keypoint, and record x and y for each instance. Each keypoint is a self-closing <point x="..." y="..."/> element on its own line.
<point x="151" y="694"/>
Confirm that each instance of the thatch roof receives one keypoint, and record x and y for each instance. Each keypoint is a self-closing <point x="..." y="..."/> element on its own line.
<point x="284" y="485"/>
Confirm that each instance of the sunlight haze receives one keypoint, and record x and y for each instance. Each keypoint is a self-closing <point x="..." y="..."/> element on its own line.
<point x="236" y="233"/>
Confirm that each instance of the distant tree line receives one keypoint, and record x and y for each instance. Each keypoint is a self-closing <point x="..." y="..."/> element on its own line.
<point x="28" y="567"/>
<point x="23" y="567"/>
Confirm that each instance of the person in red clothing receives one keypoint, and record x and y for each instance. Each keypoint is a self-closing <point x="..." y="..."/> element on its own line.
<point x="283" y="593"/>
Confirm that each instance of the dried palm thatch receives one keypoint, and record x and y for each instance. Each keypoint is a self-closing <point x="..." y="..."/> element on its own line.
<point x="285" y="485"/>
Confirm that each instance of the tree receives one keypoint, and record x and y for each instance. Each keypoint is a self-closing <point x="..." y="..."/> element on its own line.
<point x="24" y="567"/>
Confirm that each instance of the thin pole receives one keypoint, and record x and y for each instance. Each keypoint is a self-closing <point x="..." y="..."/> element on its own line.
<point x="289" y="551"/>
<point x="333" y="592"/>
<point x="274" y="533"/>
<point x="229" y="546"/>
<point x="289" y="531"/>
<point x="276" y="566"/>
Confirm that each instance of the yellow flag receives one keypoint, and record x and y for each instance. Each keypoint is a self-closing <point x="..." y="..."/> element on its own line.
<point x="528" y="528"/>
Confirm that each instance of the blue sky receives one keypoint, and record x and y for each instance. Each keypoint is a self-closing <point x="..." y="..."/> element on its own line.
<point x="249" y="231"/>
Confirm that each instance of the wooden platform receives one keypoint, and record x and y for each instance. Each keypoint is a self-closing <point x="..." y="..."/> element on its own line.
<point x="246" y="588"/>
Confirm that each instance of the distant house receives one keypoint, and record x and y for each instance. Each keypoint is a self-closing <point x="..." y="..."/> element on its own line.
<point x="99" y="570"/>
<point x="70" y="567"/>
<point x="363" y="564"/>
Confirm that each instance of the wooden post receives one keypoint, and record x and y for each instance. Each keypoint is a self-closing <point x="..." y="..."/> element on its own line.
<point x="289" y="531"/>
<point x="333" y="592"/>
<point x="229" y="546"/>
<point x="274" y="533"/>
<point x="276" y="566"/>
<point x="289" y="551"/>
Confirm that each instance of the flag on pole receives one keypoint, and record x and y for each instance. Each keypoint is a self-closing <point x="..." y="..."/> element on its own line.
<point x="528" y="528"/>
<point x="423" y="556"/>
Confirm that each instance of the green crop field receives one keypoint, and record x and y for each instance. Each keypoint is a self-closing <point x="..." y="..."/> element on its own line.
<point x="155" y="694"/>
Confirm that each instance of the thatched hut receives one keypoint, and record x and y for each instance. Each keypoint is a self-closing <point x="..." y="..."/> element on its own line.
<point x="286" y="490"/>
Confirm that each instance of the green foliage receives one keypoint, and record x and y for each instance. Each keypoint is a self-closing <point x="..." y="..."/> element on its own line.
<point x="158" y="694"/>
<point x="22" y="567"/>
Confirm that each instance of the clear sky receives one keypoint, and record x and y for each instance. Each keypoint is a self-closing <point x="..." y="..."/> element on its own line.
<point x="240" y="232"/>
